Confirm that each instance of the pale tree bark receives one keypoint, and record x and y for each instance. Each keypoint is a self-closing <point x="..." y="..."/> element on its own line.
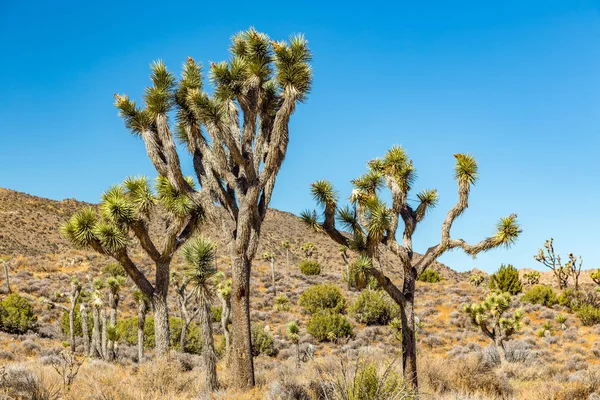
<point x="74" y="297"/>
<point x="104" y="337"/>
<point x="183" y="298"/>
<point x="141" y="313"/>
<point x="225" y="316"/>
<point x="85" y="330"/>
<point x="7" y="277"/>
<point x="96" y="347"/>
<point x="113" y="301"/>
<point x="208" y="348"/>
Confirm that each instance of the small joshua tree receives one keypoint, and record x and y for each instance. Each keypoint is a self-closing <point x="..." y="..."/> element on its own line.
<point x="343" y="251"/>
<point x="293" y="333"/>
<point x="308" y="248"/>
<point x="286" y="245"/>
<point x="596" y="276"/>
<point x="574" y="267"/>
<point x="97" y="303"/>
<point x="85" y="330"/>
<point x="74" y="298"/>
<point x="476" y="280"/>
<point x="489" y="317"/>
<point x="184" y="297"/>
<point x="113" y="284"/>
<point x="532" y="278"/>
<point x="143" y="305"/>
<point x="127" y="209"/>
<point x="550" y="259"/>
<point x="374" y="225"/>
<point x="270" y="257"/>
<point x="200" y="271"/>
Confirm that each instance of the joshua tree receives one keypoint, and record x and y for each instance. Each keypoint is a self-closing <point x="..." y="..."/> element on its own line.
<point x="184" y="296"/>
<point x="373" y="227"/>
<point x="286" y="245"/>
<point x="4" y="260"/>
<point x="548" y="257"/>
<point x="532" y="278"/>
<point x="476" y="280"/>
<point x="270" y="257"/>
<point x="238" y="138"/>
<point x="85" y="330"/>
<point x="143" y="304"/>
<point x="575" y="268"/>
<point x="596" y="276"/>
<point x="113" y="284"/>
<point x="74" y="298"/>
<point x="126" y="209"/>
<point x="200" y="271"/>
<point x="488" y="316"/>
<point x="293" y="333"/>
<point x="224" y="294"/>
<point x="343" y="250"/>
<point x="97" y="303"/>
<point x="308" y="248"/>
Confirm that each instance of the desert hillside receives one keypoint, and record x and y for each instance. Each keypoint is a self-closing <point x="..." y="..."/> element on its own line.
<point x="547" y="359"/>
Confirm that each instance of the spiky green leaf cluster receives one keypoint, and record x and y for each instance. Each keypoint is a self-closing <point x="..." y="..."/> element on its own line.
<point x="491" y="312"/>
<point x="324" y="193"/>
<point x="310" y="219"/>
<point x="199" y="254"/>
<point x="507" y="231"/>
<point x="466" y="169"/>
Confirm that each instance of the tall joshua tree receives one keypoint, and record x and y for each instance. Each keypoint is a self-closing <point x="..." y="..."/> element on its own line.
<point x="237" y="137"/>
<point x="114" y="285"/>
<point x="270" y="257"/>
<point x="550" y="259"/>
<point x="200" y="271"/>
<point x="489" y="317"/>
<point x="97" y="303"/>
<point x="373" y="226"/>
<point x="286" y="245"/>
<point x="74" y="298"/>
<point x="126" y="210"/>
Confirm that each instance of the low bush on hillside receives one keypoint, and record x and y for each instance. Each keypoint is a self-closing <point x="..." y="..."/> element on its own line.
<point x="323" y="297"/>
<point x="281" y="303"/>
<point x="262" y="342"/>
<point x="540" y="294"/>
<point x="430" y="276"/>
<point x="374" y="307"/>
<point x="310" y="267"/>
<point x="589" y="315"/>
<point x="506" y="280"/>
<point x="126" y="332"/>
<point x="327" y="326"/>
<point x="17" y="315"/>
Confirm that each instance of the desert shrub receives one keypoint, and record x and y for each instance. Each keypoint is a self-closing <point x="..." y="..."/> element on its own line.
<point x="540" y="294"/>
<point x="16" y="315"/>
<point x="216" y="313"/>
<point x="430" y="276"/>
<point x="282" y="303"/>
<point x="476" y="280"/>
<point x="328" y="326"/>
<point x="18" y="382"/>
<point x="323" y="297"/>
<point x="262" y="342"/>
<point x="374" y="307"/>
<point x="588" y="314"/>
<point x="506" y="279"/>
<point x="310" y="267"/>
<point x="126" y="331"/>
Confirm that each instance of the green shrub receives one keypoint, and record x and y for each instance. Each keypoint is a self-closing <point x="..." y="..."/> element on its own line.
<point x="540" y="294"/>
<point x="64" y="323"/>
<point x="430" y="276"/>
<point x="588" y="314"/>
<point x="262" y="342"/>
<point x="16" y="315"/>
<point x="372" y="382"/>
<point x="476" y="280"/>
<point x="216" y="313"/>
<point x="327" y="326"/>
<point x="374" y="307"/>
<point x="570" y="299"/>
<point x="323" y="297"/>
<point x="532" y="278"/>
<point x="126" y="331"/>
<point x="282" y="303"/>
<point x="310" y="267"/>
<point x="506" y="279"/>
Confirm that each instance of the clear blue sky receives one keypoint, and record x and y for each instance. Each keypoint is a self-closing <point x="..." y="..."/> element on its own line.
<point x="516" y="83"/>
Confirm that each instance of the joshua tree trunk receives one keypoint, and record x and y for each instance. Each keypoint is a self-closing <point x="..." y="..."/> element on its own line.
<point x="161" y="324"/>
<point x="142" y="310"/>
<point x="225" y="315"/>
<point x="182" y="337"/>
<point x="96" y="350"/>
<point x="208" y="348"/>
<point x="409" y="342"/>
<point x="113" y="300"/>
<point x="287" y="258"/>
<point x="104" y="336"/>
<point x="273" y="276"/>
<point x="72" y="327"/>
<point x="499" y="342"/>
<point x="85" y="331"/>
<point x="241" y="335"/>
<point x="7" y="277"/>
